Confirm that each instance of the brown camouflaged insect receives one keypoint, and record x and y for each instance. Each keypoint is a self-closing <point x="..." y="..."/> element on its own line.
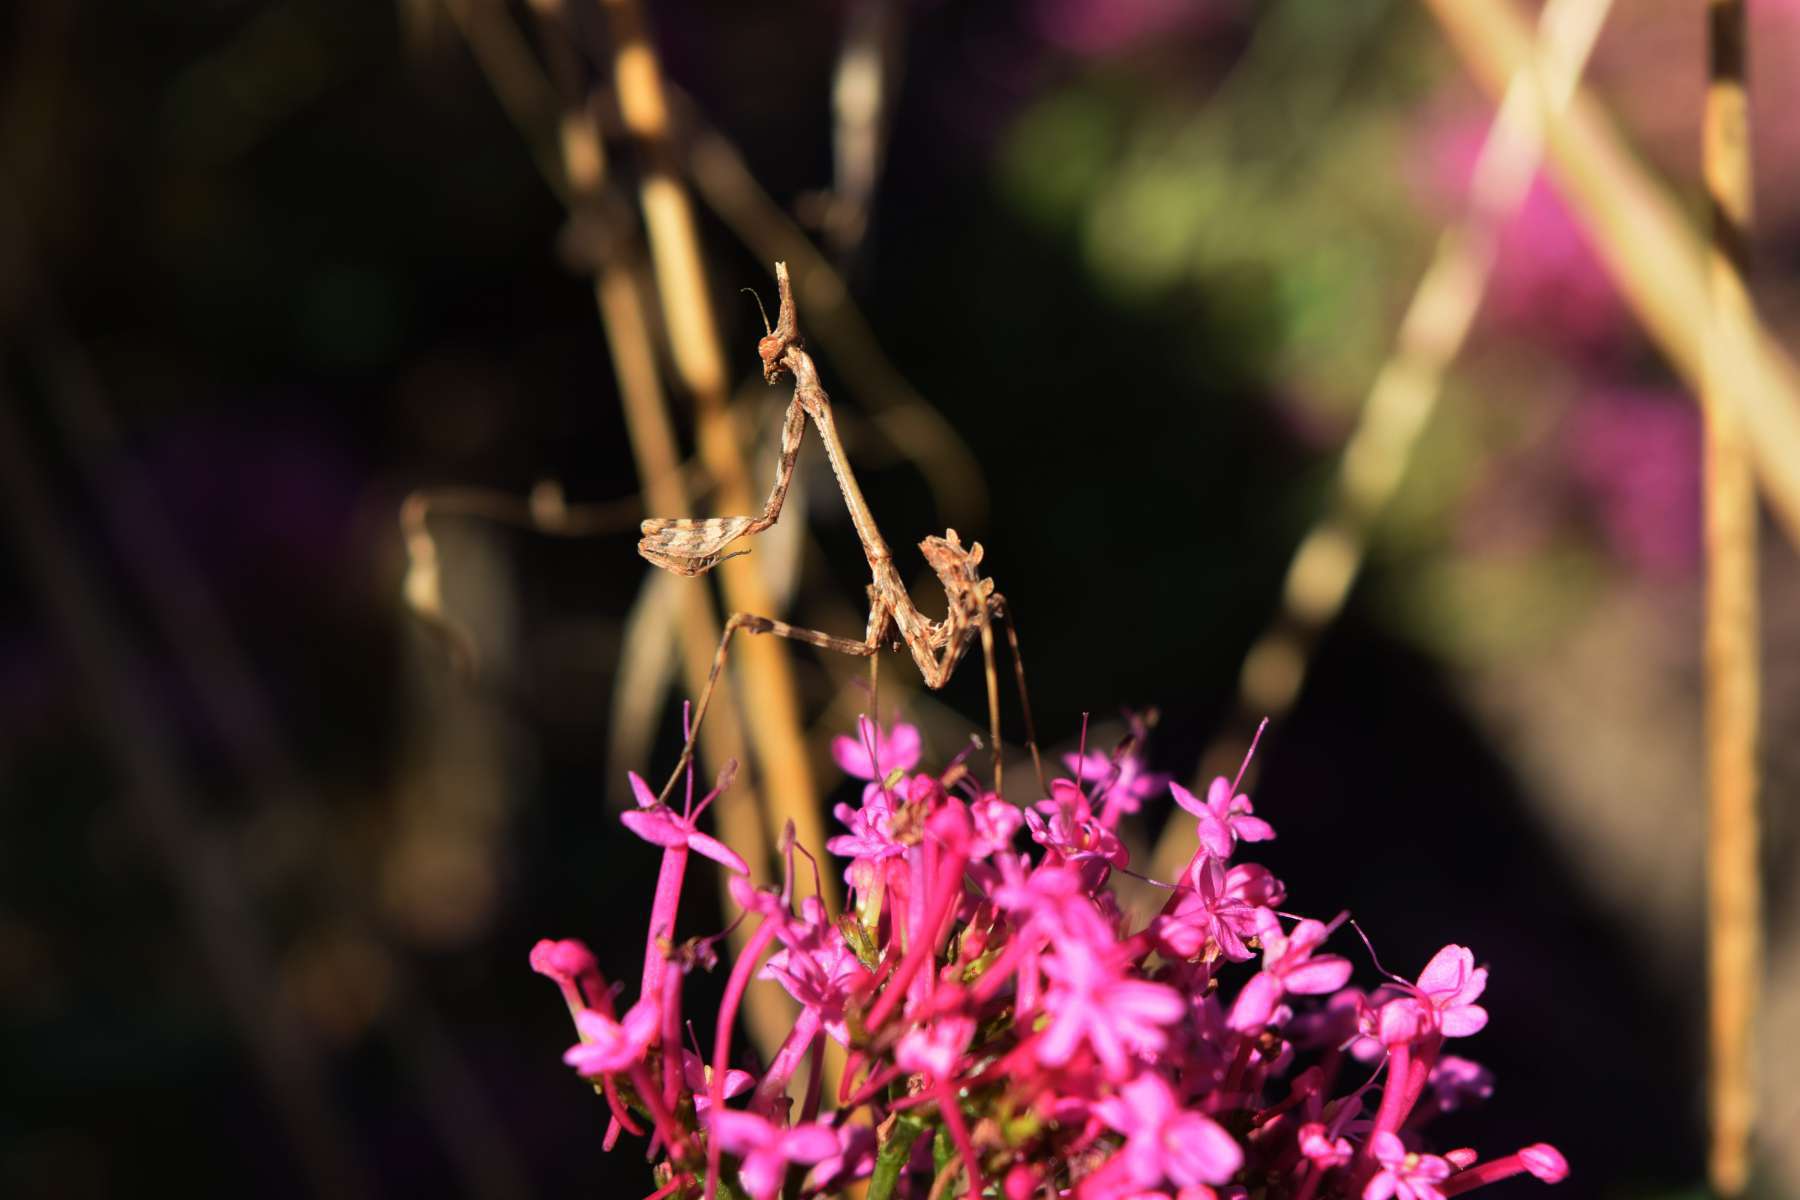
<point x="689" y="547"/>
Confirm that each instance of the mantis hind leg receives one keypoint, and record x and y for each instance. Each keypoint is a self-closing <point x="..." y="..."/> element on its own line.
<point x="1000" y="608"/>
<point x="750" y="623"/>
<point x="993" y="696"/>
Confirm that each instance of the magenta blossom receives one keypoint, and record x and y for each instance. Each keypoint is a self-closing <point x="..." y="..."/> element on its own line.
<point x="1447" y="990"/>
<point x="768" y="1148"/>
<point x="1224" y="818"/>
<point x="660" y="825"/>
<point x="1323" y="1150"/>
<point x="697" y="1075"/>
<point x="855" y="1159"/>
<point x="1289" y="966"/>
<point x="1215" y="916"/>
<point x="1456" y="1082"/>
<point x="1122" y="787"/>
<point x="937" y="1048"/>
<point x="1403" y="1174"/>
<point x="1090" y="1002"/>
<point x="1164" y="1141"/>
<point x="608" y="1046"/>
<point x="995" y="823"/>
<point x="1013" y="1030"/>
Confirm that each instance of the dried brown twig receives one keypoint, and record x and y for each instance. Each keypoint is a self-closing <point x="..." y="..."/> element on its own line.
<point x="773" y="721"/>
<point x="1733" y="683"/>
<point x="1406" y="391"/>
<point x="544" y="511"/>
<point x="690" y="546"/>
<point x="1649" y="248"/>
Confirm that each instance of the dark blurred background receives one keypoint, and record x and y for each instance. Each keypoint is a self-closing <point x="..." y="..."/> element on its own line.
<point x="272" y="864"/>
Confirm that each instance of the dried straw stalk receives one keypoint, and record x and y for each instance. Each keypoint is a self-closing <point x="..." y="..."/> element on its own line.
<point x="1734" y="917"/>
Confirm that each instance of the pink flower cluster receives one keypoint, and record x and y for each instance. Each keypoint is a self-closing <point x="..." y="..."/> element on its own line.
<point x="1010" y="1031"/>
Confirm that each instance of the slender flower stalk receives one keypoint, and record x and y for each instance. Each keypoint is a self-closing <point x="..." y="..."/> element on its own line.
<point x="1010" y="1032"/>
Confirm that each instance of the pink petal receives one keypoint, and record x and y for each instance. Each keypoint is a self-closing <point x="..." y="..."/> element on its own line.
<point x="902" y="749"/>
<point x="1256" y="1003"/>
<point x="1058" y="1043"/>
<point x="1200" y="1151"/>
<point x="718" y="851"/>
<point x="1326" y="973"/>
<point x="1187" y="800"/>
<point x="1380" y="1187"/>
<point x="1252" y="829"/>
<point x="1218" y="794"/>
<point x="1215" y="835"/>
<point x="762" y="1174"/>
<point x="1400" y="1021"/>
<point x="1447" y="971"/>
<point x="738" y="1132"/>
<point x="809" y="1143"/>
<point x="1464" y="1020"/>
<point x="658" y="827"/>
<point x="1472" y="987"/>
<point x="852" y="754"/>
<point x="641" y="790"/>
<point x="1388" y="1148"/>
<point x="1141" y="1000"/>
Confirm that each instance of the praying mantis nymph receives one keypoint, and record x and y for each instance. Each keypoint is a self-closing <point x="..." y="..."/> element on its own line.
<point x="688" y="546"/>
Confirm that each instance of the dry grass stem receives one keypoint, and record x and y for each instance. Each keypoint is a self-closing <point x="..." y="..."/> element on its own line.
<point x="1734" y="916"/>
<point x="1409" y="385"/>
<point x="1650" y="249"/>
<point x="774" y="720"/>
<point x="576" y="170"/>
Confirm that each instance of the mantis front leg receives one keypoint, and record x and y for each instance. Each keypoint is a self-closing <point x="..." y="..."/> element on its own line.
<point x="688" y="546"/>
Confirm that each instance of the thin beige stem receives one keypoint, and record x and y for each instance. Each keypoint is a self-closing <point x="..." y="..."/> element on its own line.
<point x="1734" y="916"/>
<point x="774" y="719"/>
<point x="1652" y="252"/>
<point x="576" y="171"/>
<point x="1409" y="385"/>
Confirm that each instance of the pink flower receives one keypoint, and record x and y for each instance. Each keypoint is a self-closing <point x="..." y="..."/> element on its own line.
<point x="935" y="1049"/>
<point x="1450" y="985"/>
<point x="659" y="825"/>
<point x="996" y="821"/>
<point x="1164" y="1141"/>
<point x="608" y="1046"/>
<point x="1224" y="819"/>
<point x="697" y="1075"/>
<point x="1213" y="914"/>
<point x="1072" y="831"/>
<point x="1456" y="1082"/>
<point x="818" y="968"/>
<point x="855" y="1159"/>
<point x="1325" y="1152"/>
<point x="898" y="751"/>
<point x="1124" y="792"/>
<point x="1288" y="966"/>
<point x="1091" y="1003"/>
<point x="1404" y="1175"/>
<point x="768" y="1148"/>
